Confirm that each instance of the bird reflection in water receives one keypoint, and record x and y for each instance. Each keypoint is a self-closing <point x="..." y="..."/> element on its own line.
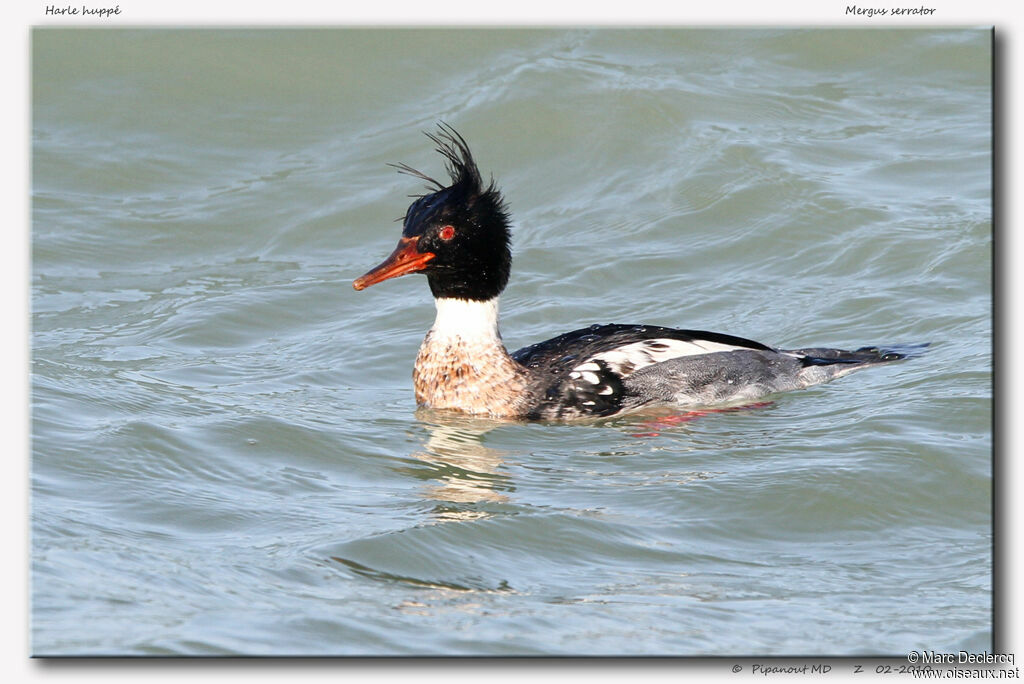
<point x="466" y="471"/>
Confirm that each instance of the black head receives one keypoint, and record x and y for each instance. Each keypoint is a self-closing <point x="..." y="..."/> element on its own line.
<point x="457" y="235"/>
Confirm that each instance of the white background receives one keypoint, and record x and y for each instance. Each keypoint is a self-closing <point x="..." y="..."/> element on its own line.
<point x="15" y="24"/>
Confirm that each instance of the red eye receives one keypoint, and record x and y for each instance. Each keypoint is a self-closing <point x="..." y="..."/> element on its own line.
<point x="447" y="233"/>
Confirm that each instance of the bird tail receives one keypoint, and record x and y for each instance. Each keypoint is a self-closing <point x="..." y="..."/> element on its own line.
<point x="820" y="356"/>
<point x="822" y="364"/>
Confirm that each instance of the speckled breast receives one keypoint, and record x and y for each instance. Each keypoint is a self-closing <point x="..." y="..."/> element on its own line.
<point x="483" y="380"/>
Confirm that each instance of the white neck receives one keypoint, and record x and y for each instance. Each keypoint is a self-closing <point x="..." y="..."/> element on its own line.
<point x="466" y="319"/>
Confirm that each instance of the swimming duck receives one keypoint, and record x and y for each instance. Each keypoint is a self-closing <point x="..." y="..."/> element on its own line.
<point x="458" y="235"/>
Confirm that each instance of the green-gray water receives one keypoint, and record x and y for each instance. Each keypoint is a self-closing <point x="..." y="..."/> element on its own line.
<point x="226" y="456"/>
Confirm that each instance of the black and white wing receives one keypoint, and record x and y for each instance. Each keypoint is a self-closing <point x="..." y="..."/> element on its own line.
<point x="585" y="371"/>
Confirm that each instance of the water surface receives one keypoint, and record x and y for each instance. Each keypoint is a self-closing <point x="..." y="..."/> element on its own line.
<point x="226" y="455"/>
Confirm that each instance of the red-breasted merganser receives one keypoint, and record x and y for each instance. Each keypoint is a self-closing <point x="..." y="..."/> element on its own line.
<point x="458" y="235"/>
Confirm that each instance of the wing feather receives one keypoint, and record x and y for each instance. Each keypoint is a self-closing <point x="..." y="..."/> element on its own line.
<point x="589" y="365"/>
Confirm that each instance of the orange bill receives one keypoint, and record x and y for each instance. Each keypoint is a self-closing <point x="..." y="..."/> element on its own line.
<point x="405" y="259"/>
